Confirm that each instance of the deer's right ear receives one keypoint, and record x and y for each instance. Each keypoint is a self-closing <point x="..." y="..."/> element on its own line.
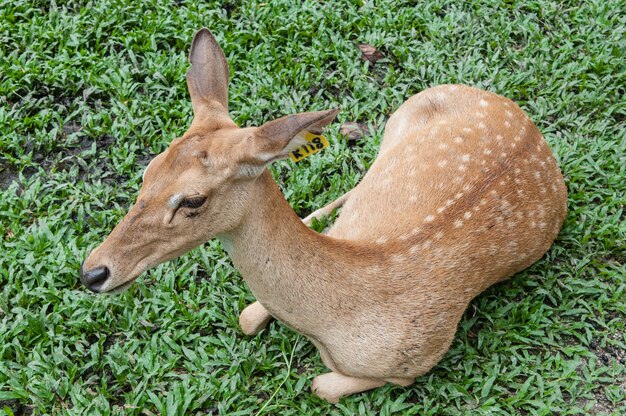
<point x="276" y="139"/>
<point x="207" y="79"/>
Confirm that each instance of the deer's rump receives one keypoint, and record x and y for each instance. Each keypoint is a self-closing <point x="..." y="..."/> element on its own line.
<point x="463" y="173"/>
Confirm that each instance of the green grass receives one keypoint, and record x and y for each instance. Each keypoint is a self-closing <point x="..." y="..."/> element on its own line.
<point x="89" y="91"/>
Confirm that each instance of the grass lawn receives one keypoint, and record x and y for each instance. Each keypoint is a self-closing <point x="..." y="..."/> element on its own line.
<point x="90" y="91"/>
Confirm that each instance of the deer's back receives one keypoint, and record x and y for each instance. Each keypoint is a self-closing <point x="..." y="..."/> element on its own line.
<point x="462" y="171"/>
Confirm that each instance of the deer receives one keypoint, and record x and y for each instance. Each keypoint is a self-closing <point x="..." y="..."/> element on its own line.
<point x="464" y="193"/>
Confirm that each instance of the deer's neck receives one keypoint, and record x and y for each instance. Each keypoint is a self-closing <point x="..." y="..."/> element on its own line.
<point x="288" y="266"/>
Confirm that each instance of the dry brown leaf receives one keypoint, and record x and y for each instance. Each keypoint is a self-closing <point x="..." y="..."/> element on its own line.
<point x="353" y="131"/>
<point x="370" y="53"/>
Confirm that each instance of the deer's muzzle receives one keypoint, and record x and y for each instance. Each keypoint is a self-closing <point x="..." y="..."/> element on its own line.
<point x="94" y="279"/>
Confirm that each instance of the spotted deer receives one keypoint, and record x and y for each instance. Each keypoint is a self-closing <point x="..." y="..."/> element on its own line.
<point x="464" y="193"/>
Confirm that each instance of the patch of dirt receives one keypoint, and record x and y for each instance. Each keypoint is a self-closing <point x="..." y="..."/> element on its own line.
<point x="111" y="339"/>
<point x="602" y="406"/>
<point x="230" y="7"/>
<point x="65" y="158"/>
<point x="8" y="174"/>
<point x="201" y="276"/>
<point x="606" y="353"/>
<point x="614" y="259"/>
<point x="17" y="408"/>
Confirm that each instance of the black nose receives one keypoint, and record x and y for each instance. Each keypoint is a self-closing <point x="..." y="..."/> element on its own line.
<point x="94" y="278"/>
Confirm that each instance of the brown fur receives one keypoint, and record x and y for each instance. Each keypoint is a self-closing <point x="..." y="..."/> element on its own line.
<point x="464" y="193"/>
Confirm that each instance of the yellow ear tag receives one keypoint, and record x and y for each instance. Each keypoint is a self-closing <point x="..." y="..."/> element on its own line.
<point x="315" y="143"/>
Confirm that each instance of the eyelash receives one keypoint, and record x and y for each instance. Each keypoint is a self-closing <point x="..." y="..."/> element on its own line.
<point x="195" y="202"/>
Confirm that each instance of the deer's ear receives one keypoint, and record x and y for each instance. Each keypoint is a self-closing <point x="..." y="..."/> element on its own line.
<point x="276" y="139"/>
<point x="207" y="79"/>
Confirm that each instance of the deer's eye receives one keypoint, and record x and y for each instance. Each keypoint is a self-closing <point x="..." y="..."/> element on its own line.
<point x="193" y="202"/>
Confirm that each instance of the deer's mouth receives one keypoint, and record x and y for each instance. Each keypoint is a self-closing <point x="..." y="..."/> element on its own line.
<point x="119" y="289"/>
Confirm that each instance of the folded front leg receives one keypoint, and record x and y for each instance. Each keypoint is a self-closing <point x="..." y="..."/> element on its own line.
<point x="254" y="318"/>
<point x="333" y="386"/>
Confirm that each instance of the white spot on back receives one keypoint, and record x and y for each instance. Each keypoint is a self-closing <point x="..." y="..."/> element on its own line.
<point x="483" y="103"/>
<point x="397" y="258"/>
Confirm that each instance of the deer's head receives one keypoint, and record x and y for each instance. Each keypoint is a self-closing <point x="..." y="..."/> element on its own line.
<point x="199" y="187"/>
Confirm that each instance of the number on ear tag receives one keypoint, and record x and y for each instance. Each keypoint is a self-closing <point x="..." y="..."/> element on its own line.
<point x="315" y="143"/>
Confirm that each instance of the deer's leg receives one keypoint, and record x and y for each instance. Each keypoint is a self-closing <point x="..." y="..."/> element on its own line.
<point x="325" y="356"/>
<point x="333" y="386"/>
<point x="404" y="382"/>
<point x="337" y="203"/>
<point x="254" y="318"/>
